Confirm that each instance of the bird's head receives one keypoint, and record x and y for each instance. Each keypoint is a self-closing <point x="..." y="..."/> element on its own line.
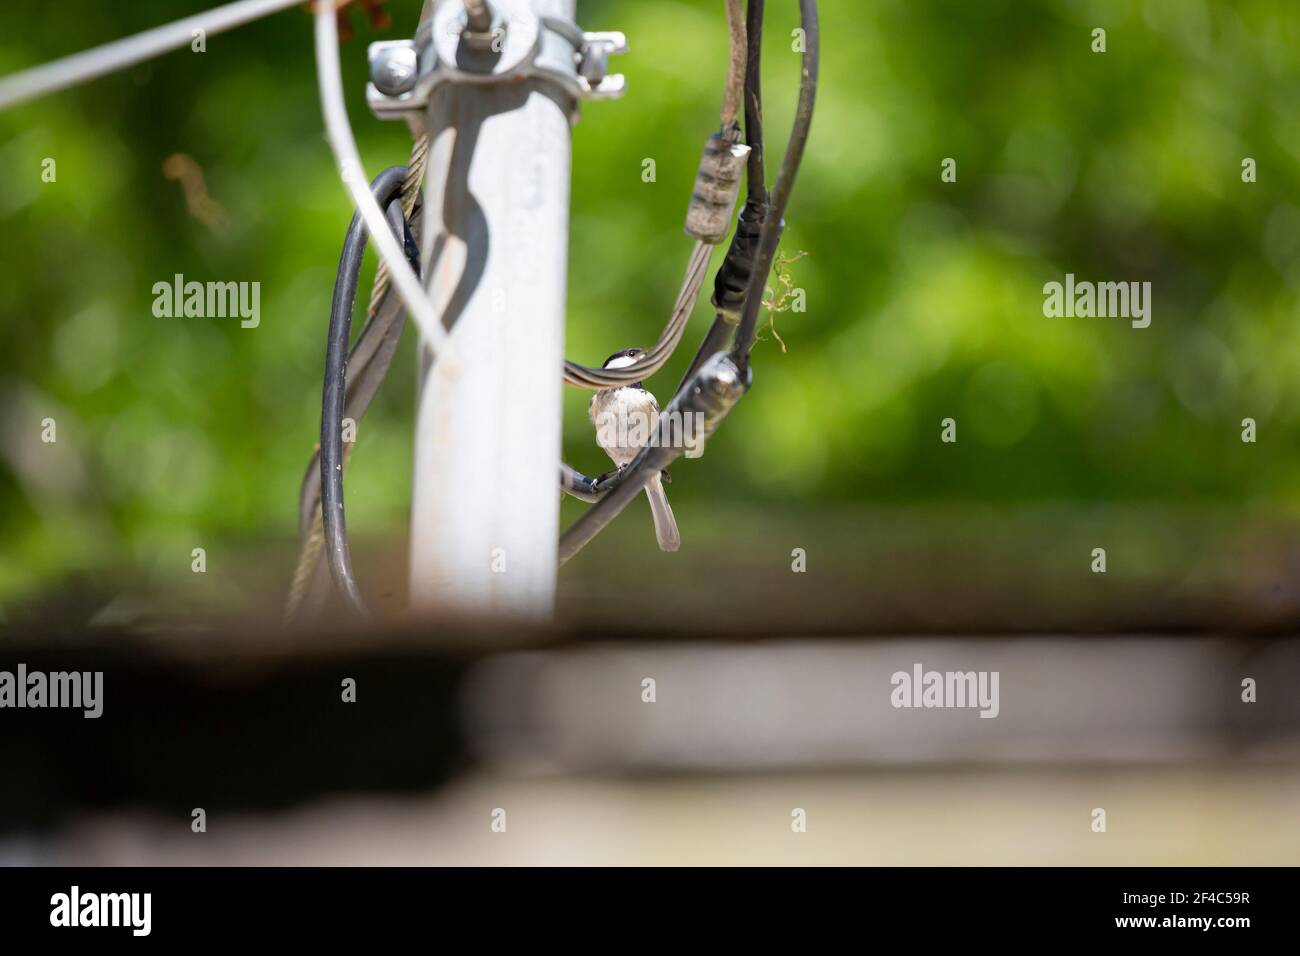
<point x="624" y="358"/>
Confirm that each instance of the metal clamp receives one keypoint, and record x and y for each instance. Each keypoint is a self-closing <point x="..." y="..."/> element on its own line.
<point x="523" y="46"/>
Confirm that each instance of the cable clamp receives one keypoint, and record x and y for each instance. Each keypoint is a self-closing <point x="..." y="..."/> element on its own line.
<point x="520" y="46"/>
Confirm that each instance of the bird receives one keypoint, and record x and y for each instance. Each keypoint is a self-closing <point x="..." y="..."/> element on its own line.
<point x="625" y="419"/>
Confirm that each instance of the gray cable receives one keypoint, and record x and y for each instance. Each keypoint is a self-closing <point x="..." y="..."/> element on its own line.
<point x="585" y="376"/>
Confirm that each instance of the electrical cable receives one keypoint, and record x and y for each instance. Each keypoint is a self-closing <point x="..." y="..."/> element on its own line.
<point x="371" y="354"/>
<point x="736" y="59"/>
<point x="771" y="233"/>
<point x="338" y="132"/>
<point x="753" y="245"/>
<point x="755" y="187"/>
<point x="575" y="483"/>
<point x="368" y="364"/>
<point x="624" y="486"/>
<point x="386" y="187"/>
<point x="731" y="282"/>
<point x="120" y="54"/>
<point x="584" y="376"/>
<point x="740" y="49"/>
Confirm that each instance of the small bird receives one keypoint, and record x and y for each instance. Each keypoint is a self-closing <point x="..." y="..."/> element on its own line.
<point x="625" y="419"/>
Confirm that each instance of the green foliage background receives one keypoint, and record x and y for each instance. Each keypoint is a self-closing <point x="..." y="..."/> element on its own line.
<point x="923" y="298"/>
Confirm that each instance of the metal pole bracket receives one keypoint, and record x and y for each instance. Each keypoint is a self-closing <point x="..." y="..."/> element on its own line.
<point x="522" y="46"/>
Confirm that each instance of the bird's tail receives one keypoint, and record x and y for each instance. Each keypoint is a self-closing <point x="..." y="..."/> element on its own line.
<point x="665" y="523"/>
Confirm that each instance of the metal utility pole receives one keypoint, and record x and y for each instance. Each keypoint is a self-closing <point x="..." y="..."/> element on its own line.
<point x="485" y="512"/>
<point x="497" y="107"/>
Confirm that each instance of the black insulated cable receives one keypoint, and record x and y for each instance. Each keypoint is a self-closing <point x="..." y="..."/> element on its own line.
<point x="756" y="189"/>
<point x="771" y="233"/>
<point x="386" y="188"/>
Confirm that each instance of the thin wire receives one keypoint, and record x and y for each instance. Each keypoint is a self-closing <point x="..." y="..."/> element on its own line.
<point x="309" y="554"/>
<point x="410" y="193"/>
<point x="339" y="133"/>
<point x="736" y="48"/>
<point x="585" y="376"/>
<point x="89" y="64"/>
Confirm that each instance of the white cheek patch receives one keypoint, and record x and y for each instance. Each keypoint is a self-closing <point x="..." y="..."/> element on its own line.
<point x="623" y="361"/>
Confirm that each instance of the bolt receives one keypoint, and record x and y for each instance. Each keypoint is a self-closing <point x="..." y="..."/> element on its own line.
<point x="593" y="62"/>
<point x="481" y="26"/>
<point x="394" y="68"/>
<point x="478" y="16"/>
